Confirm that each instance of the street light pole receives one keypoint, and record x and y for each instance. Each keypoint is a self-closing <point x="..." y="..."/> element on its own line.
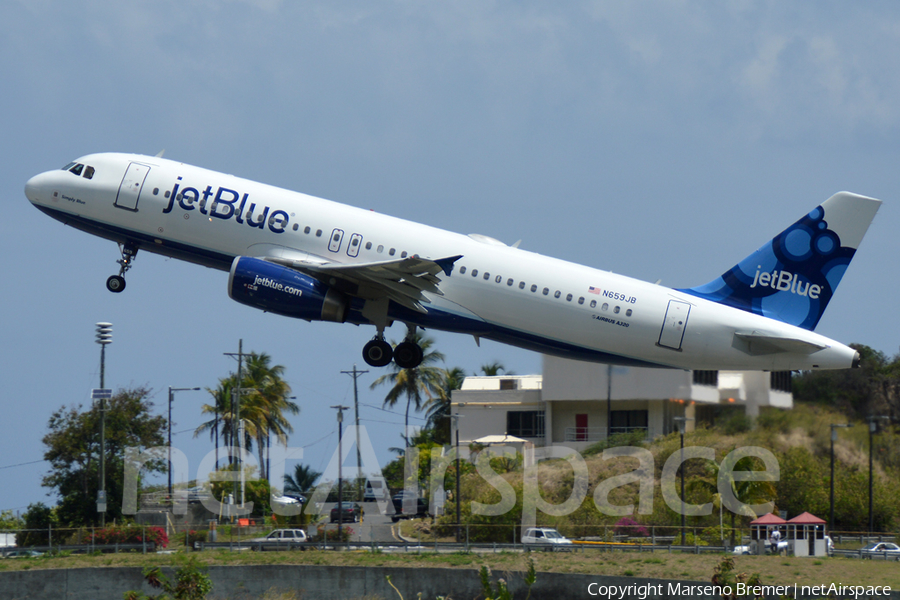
<point x="681" y="422"/>
<point x="833" y="439"/>
<point x="873" y="425"/>
<point x="456" y="497"/>
<point x="356" y="375"/>
<point x="340" y="506"/>
<point x="171" y="397"/>
<point x="104" y="337"/>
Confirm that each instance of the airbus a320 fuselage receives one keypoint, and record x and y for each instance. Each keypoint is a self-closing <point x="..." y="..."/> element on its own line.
<point x="309" y="258"/>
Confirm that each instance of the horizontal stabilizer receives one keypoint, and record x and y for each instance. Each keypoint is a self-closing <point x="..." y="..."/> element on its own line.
<point x="755" y="343"/>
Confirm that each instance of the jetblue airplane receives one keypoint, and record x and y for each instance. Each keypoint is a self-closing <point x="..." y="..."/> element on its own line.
<point x="313" y="259"/>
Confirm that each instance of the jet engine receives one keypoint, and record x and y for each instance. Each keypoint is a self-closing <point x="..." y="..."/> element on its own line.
<point x="273" y="288"/>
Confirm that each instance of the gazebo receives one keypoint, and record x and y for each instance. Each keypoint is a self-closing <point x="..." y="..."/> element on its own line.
<point x="806" y="535"/>
<point x="759" y="531"/>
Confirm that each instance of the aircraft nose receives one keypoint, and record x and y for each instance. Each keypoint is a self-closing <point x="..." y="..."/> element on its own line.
<point x="34" y="188"/>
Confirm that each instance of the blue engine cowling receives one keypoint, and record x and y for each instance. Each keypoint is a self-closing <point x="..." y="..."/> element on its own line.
<point x="273" y="288"/>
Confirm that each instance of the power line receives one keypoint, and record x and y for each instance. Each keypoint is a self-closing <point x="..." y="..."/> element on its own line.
<point x="34" y="462"/>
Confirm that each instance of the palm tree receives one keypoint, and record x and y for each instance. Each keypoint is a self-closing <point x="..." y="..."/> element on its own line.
<point x="303" y="480"/>
<point x="493" y="369"/>
<point x="416" y="384"/>
<point x="264" y="411"/>
<point x="437" y="416"/>
<point x="747" y="492"/>
<point x="220" y="410"/>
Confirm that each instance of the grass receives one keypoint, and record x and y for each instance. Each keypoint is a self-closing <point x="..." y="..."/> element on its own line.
<point x="774" y="569"/>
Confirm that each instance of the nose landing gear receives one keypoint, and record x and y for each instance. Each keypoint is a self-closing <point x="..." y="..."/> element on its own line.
<point x="116" y="283"/>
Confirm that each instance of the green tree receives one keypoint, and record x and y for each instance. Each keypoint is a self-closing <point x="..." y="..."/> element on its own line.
<point x="417" y="384"/>
<point x="265" y="402"/>
<point x="39" y="519"/>
<point x="73" y="447"/>
<point x="303" y="480"/>
<point x="437" y="415"/>
<point x="493" y="369"/>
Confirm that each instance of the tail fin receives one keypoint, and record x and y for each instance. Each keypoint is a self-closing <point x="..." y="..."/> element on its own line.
<point x="793" y="277"/>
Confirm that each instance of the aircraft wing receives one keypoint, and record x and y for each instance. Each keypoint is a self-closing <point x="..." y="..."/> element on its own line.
<point x="404" y="280"/>
<point x="756" y="343"/>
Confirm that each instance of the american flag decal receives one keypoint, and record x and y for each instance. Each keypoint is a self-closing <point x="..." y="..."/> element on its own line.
<point x="594" y="290"/>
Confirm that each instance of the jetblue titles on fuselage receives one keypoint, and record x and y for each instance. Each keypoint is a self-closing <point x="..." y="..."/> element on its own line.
<point x="225" y="206"/>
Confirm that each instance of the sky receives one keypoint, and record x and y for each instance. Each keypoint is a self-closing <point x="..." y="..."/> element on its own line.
<point x="662" y="140"/>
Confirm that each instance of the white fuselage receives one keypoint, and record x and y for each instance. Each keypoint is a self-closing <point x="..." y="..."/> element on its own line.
<point x="495" y="291"/>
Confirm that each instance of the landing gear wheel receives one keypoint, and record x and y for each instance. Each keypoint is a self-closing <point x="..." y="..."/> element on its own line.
<point x="115" y="284"/>
<point x="377" y="353"/>
<point x="408" y="355"/>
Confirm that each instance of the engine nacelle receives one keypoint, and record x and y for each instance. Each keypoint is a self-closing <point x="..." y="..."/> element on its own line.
<point x="273" y="288"/>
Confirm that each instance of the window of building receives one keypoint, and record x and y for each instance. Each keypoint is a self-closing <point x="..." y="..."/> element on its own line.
<point x="626" y="421"/>
<point x="525" y="423"/>
<point x="508" y="384"/>
<point x="780" y="381"/>
<point x="706" y="378"/>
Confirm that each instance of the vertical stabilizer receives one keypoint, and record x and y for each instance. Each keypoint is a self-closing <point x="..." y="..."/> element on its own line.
<point x="793" y="277"/>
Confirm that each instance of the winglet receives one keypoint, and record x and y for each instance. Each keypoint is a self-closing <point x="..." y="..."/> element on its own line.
<point x="446" y="264"/>
<point x="793" y="276"/>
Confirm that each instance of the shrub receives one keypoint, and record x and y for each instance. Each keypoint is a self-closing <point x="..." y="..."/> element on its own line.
<point x="131" y="534"/>
<point x="331" y="535"/>
<point x="631" y="528"/>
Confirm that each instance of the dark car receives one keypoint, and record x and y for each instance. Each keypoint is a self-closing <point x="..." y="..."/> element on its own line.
<point x="414" y="506"/>
<point x="350" y="512"/>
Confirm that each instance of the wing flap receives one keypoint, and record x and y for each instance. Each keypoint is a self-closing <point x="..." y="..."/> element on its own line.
<point x="756" y="343"/>
<point x="405" y="280"/>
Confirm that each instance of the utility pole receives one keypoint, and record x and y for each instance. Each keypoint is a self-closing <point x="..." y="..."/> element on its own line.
<point x="340" y="506"/>
<point x="236" y="408"/>
<point x="356" y="375"/>
<point x="172" y="397"/>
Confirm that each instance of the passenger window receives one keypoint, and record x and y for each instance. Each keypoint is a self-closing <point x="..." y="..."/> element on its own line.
<point x="392" y="251"/>
<point x="545" y="291"/>
<point x="474" y="272"/>
<point x="521" y="285"/>
<point x="403" y="254"/>
<point x="380" y="248"/>
<point x="616" y="310"/>
<point x="306" y="229"/>
<point x="593" y="304"/>
<point x="166" y="195"/>
<point x="568" y="297"/>
<point x="318" y="233"/>
<point x="462" y="270"/>
<point x="509" y="282"/>
<point x="556" y="294"/>
<point x="581" y="300"/>
<point x="156" y="191"/>
<point x="89" y="173"/>
<point x="354" y="241"/>
<point x="605" y="306"/>
<point x="336" y="238"/>
<point x="487" y="275"/>
<point x="533" y="288"/>
<point x="296" y="227"/>
<point x="368" y="245"/>
<point x="498" y="279"/>
<point x="628" y="313"/>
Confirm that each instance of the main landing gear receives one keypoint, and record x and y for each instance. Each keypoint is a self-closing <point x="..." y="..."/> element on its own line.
<point x="116" y="283"/>
<point x="406" y="355"/>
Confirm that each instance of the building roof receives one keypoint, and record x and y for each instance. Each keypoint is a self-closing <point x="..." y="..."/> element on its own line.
<point x="500" y="439"/>
<point x="807" y="519"/>
<point x="770" y="519"/>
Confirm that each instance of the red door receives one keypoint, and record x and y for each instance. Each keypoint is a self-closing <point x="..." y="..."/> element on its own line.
<point x="581" y="428"/>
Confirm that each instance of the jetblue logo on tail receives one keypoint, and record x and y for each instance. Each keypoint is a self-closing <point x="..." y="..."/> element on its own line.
<point x="785" y="281"/>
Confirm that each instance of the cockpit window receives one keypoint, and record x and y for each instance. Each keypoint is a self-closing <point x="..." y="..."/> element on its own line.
<point x="88" y="172"/>
<point x="68" y="166"/>
<point x="77" y="169"/>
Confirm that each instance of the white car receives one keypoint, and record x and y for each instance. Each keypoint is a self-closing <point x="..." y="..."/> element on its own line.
<point x="283" y="536"/>
<point x="886" y="550"/>
<point x="549" y="538"/>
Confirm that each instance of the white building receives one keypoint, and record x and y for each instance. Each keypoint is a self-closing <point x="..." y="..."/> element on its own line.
<point x="577" y="403"/>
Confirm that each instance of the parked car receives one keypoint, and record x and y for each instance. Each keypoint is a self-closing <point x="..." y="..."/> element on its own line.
<point x="22" y="553"/>
<point x="781" y="546"/>
<point x="350" y="512"/>
<point x="546" y="538"/>
<point x="404" y="497"/>
<point x="286" y="500"/>
<point x="887" y="550"/>
<point x="283" y="536"/>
